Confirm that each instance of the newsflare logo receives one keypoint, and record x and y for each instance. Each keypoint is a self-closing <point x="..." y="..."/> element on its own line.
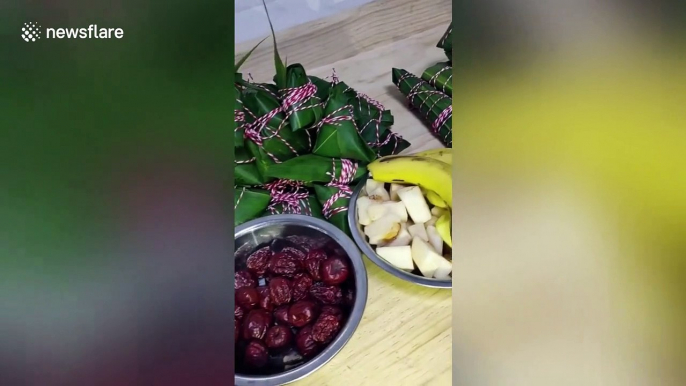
<point x="31" y="32"/>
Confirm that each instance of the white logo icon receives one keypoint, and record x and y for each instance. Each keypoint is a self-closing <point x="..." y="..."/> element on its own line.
<point x="30" y="32"/>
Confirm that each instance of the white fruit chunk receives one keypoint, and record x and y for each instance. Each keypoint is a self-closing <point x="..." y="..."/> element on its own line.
<point x="435" y="239"/>
<point x="371" y="185"/>
<point x="376" y="210"/>
<point x="431" y="222"/>
<point x="415" y="203"/>
<point x="425" y="257"/>
<point x="362" y="210"/>
<point x="418" y="230"/>
<point x="379" y="194"/>
<point x="400" y="257"/>
<point x="397" y="208"/>
<point x="394" y="191"/>
<point x="445" y="267"/>
<point x="436" y="211"/>
<point x="384" y="229"/>
<point x="402" y="239"/>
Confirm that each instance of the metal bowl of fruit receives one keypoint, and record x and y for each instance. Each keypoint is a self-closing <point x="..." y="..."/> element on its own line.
<point x="301" y="289"/>
<point x="400" y="217"/>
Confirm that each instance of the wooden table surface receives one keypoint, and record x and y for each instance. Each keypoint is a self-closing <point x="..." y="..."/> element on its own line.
<point x="405" y="335"/>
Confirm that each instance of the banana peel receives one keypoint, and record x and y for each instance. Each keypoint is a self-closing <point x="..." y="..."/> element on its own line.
<point x="443" y="226"/>
<point x="427" y="173"/>
<point x="444" y="154"/>
<point x="434" y="199"/>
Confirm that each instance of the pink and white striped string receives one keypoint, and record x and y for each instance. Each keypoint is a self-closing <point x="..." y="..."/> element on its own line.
<point x="239" y="116"/>
<point x="442" y="117"/>
<point x="430" y="103"/>
<point x="246" y="161"/>
<point x="373" y="122"/>
<point x="295" y="96"/>
<point x="238" y="201"/>
<point x="334" y="119"/>
<point x="289" y="194"/>
<point x="434" y="79"/>
<point x="342" y="183"/>
<point x="259" y="130"/>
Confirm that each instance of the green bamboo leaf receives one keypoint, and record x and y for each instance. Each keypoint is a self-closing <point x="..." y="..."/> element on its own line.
<point x="286" y="145"/>
<point x="446" y="41"/>
<point x="429" y="102"/>
<point x="246" y="56"/>
<point x="341" y="139"/>
<point x="306" y="113"/>
<point x="245" y="170"/>
<point x="249" y="204"/>
<point x="323" y="87"/>
<point x="308" y="206"/>
<point x="440" y="76"/>
<point x="278" y="63"/>
<point x="337" y="213"/>
<point x="311" y="168"/>
<point x="238" y="123"/>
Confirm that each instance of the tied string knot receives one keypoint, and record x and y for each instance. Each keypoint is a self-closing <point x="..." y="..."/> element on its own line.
<point x="334" y="77"/>
<point x="259" y="131"/>
<point x="287" y="193"/>
<point x="342" y="183"/>
<point x="253" y="130"/>
<point x="297" y="95"/>
<point x="334" y="119"/>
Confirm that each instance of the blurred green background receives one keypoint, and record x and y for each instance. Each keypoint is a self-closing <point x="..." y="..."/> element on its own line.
<point x="115" y="180"/>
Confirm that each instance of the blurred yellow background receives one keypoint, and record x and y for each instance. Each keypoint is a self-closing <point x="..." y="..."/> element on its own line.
<point x="571" y="208"/>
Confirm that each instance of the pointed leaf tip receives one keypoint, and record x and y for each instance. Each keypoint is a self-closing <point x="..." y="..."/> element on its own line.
<point x="246" y="56"/>
<point x="278" y="63"/>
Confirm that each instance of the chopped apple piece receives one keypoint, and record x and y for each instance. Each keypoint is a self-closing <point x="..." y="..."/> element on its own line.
<point x="397" y="208"/>
<point x="384" y="229"/>
<point x="394" y="191"/>
<point x="362" y="210"/>
<point x="371" y="185"/>
<point x="376" y="210"/>
<point x="436" y="211"/>
<point x="402" y="239"/>
<point x="445" y="267"/>
<point x="418" y="230"/>
<point x="415" y="204"/>
<point x="425" y="257"/>
<point x="379" y="194"/>
<point x="435" y="239"/>
<point x="400" y="257"/>
<point x="431" y="222"/>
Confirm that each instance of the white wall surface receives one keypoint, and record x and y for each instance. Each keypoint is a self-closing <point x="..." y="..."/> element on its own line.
<point x="251" y="21"/>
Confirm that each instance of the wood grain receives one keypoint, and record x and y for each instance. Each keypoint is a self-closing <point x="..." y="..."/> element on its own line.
<point x="405" y="335"/>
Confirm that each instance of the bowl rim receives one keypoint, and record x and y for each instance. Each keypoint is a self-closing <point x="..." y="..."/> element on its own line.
<point x="368" y="251"/>
<point x="348" y="329"/>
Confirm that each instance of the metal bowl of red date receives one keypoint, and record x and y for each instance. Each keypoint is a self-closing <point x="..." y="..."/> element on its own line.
<point x="301" y="289"/>
<point x="413" y="276"/>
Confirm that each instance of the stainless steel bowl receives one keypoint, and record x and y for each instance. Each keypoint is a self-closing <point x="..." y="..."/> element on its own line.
<point x="253" y="233"/>
<point x="367" y="250"/>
